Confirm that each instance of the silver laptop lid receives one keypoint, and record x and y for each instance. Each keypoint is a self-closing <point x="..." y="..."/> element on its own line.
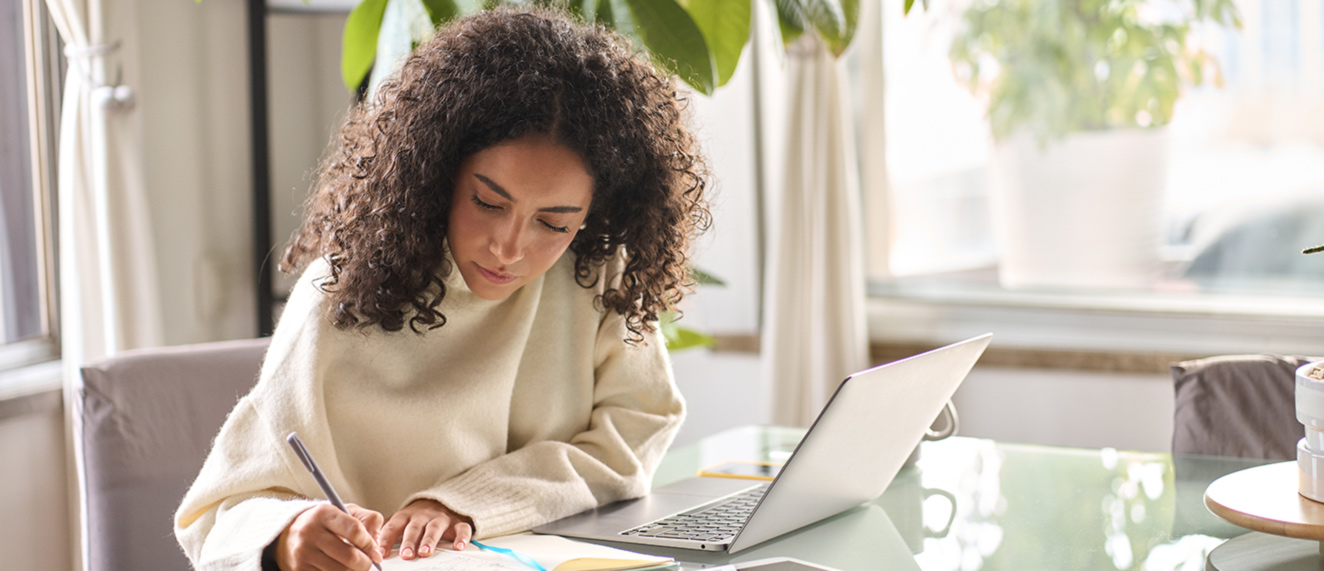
<point x="861" y="439"/>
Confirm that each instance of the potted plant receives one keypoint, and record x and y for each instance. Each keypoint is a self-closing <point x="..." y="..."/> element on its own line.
<point x="699" y="41"/>
<point x="1078" y="94"/>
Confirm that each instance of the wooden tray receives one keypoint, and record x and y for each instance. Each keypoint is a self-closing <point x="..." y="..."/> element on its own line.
<point x="1265" y="499"/>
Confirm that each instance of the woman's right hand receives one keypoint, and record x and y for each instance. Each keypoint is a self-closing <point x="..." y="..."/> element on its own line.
<point x="325" y="538"/>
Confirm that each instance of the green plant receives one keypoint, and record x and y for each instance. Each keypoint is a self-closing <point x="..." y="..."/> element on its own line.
<point x="678" y="337"/>
<point x="1052" y="67"/>
<point x="700" y="41"/>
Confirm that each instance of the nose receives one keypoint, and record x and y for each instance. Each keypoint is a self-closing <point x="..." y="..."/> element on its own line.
<point x="507" y="242"/>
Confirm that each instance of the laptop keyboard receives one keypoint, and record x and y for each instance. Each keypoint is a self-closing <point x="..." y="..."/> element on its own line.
<point x="713" y="522"/>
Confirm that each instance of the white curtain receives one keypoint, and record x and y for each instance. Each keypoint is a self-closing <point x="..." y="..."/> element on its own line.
<point x="108" y="282"/>
<point x="108" y="299"/>
<point x="872" y="137"/>
<point x="814" y="330"/>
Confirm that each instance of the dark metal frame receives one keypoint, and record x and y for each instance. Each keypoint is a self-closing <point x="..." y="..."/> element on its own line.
<point x="257" y="66"/>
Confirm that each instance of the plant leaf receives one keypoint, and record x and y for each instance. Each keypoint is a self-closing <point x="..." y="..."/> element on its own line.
<point x="791" y="20"/>
<point x="828" y="17"/>
<point x="441" y="11"/>
<point x="725" y="26"/>
<point x="603" y="15"/>
<point x="675" y="41"/>
<point x="704" y="278"/>
<point x="909" y="4"/>
<point x="359" y="42"/>
<point x="684" y="338"/>
<point x="850" y="10"/>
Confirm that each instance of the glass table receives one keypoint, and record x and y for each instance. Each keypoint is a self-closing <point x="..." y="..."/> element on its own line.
<point x="970" y="504"/>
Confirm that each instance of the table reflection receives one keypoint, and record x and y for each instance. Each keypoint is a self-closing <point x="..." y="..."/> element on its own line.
<point x="973" y="504"/>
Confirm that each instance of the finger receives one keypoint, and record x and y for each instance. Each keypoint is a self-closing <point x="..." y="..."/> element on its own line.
<point x="351" y="530"/>
<point x="372" y="521"/>
<point x="391" y="532"/>
<point x="463" y="533"/>
<point x="334" y="556"/>
<point x="337" y="555"/>
<point x="409" y="541"/>
<point x="316" y="560"/>
<point x="432" y="536"/>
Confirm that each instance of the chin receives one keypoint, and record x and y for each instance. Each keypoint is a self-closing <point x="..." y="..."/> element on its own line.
<point x="487" y="290"/>
<point x="490" y="295"/>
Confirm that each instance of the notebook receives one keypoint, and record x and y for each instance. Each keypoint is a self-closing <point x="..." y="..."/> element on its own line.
<point x="551" y="552"/>
<point x="850" y="454"/>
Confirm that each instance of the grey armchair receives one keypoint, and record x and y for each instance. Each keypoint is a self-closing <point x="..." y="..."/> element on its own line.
<point x="149" y="418"/>
<point x="1237" y="405"/>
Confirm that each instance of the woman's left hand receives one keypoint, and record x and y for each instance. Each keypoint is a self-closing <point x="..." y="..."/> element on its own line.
<point x="421" y="525"/>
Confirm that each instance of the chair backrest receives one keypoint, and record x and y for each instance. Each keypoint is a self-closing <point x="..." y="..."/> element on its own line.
<point x="149" y="418"/>
<point x="1237" y="405"/>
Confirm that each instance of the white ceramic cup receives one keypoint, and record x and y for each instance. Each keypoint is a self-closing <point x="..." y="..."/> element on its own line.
<point x="1310" y="400"/>
<point x="949" y="423"/>
<point x="1311" y="465"/>
<point x="1314" y="439"/>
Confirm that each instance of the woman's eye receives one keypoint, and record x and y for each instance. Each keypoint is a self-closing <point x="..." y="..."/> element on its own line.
<point x="483" y="205"/>
<point x="560" y="229"/>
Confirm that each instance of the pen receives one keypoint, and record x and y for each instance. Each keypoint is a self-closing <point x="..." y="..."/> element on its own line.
<point x="308" y="462"/>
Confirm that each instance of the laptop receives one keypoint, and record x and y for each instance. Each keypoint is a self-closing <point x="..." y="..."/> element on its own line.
<point x="850" y="454"/>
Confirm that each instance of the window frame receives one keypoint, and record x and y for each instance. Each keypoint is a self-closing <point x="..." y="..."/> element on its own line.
<point x="1142" y="323"/>
<point x="44" y="67"/>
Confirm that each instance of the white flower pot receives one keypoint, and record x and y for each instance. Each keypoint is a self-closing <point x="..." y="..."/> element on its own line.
<point x="1083" y="212"/>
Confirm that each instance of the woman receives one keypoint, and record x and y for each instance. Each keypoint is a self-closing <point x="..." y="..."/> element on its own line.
<point x="471" y="349"/>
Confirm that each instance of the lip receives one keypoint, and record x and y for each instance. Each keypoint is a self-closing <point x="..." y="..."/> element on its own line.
<point x="494" y="277"/>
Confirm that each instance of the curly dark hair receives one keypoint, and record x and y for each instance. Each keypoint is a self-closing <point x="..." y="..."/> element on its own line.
<point x="379" y="209"/>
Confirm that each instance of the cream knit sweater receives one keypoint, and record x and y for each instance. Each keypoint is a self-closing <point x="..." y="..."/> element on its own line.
<point x="515" y="412"/>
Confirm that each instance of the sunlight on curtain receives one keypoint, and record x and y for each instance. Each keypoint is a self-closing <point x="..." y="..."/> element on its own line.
<point x="815" y="327"/>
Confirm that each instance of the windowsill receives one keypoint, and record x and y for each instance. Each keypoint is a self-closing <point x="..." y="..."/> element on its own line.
<point x="31" y="389"/>
<point x="1177" y="323"/>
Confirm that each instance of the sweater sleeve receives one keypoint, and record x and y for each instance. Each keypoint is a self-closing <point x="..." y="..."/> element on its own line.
<point x="250" y="487"/>
<point x="241" y="500"/>
<point x="636" y="413"/>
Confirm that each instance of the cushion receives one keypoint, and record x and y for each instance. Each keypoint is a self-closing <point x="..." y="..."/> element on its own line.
<point x="149" y="418"/>
<point x="1237" y="405"/>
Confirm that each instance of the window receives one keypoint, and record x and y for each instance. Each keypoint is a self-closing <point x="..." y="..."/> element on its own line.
<point x="1235" y="193"/>
<point x="29" y="67"/>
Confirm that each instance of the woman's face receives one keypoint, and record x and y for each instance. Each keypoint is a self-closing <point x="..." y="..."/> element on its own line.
<point x="516" y="208"/>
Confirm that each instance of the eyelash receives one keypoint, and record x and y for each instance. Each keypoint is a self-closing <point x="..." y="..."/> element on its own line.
<point x="490" y="207"/>
<point x="483" y="205"/>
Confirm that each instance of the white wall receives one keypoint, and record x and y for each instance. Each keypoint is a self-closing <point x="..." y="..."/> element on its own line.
<point x="34" y="532"/>
<point x="194" y="100"/>
<point x="724" y="390"/>
<point x="1067" y="408"/>
<point x="307" y="103"/>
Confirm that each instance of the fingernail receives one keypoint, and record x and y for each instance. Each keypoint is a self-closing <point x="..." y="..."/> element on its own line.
<point x="459" y="546"/>
<point x="406" y="553"/>
<point x="424" y="551"/>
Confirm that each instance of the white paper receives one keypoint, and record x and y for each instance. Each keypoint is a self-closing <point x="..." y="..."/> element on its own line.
<point x="454" y="561"/>
<point x="549" y="550"/>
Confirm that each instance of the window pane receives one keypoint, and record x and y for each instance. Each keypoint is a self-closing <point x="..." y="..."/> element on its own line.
<point x="21" y="311"/>
<point x="1234" y="188"/>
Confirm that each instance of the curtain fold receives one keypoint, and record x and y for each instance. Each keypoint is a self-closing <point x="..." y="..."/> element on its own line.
<point x="109" y="299"/>
<point x="814" y="332"/>
<point x="874" y="179"/>
<point x="108" y="281"/>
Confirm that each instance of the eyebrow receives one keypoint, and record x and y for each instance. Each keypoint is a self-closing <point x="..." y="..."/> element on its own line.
<point x="506" y="195"/>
